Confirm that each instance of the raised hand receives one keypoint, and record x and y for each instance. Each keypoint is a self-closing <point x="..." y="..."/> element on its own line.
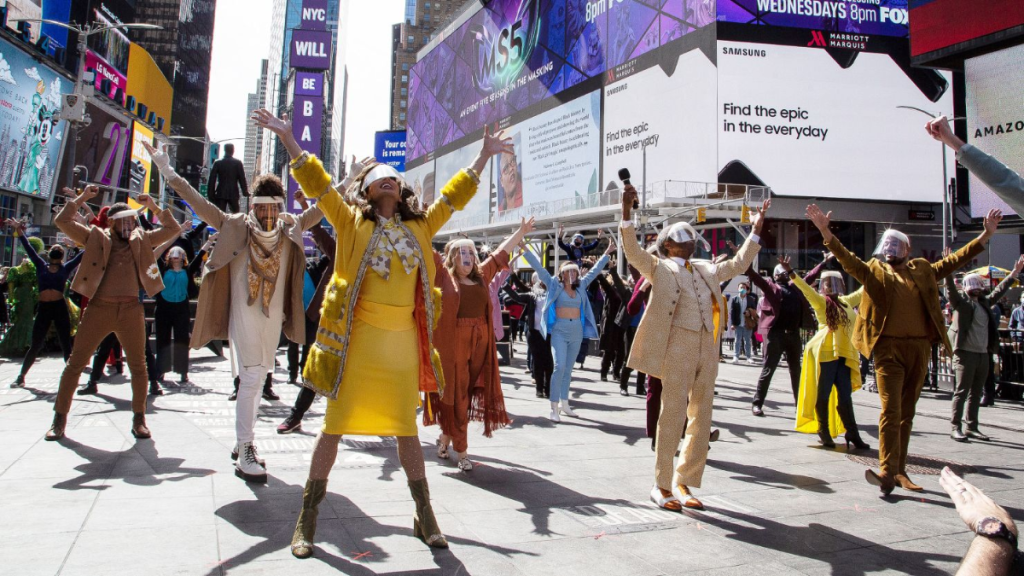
<point x="611" y="246"/>
<point x="300" y="197"/>
<point x="629" y="196"/>
<point x="561" y="230"/>
<point x="496" y="143"/>
<point x="732" y="245"/>
<point x="992" y="221"/>
<point x="947" y="252"/>
<point x="757" y="220"/>
<point x="1019" y="266"/>
<point x="820" y="219"/>
<point x="600" y="233"/>
<point x="526" y="226"/>
<point x="266" y="120"/>
<point x="148" y="201"/>
<point x="160" y="158"/>
<point x="785" y="261"/>
<point x="89" y="193"/>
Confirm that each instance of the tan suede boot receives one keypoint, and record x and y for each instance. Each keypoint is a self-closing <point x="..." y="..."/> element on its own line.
<point x="424" y="525"/>
<point x="305" y="527"/>
<point x="139" y="428"/>
<point x="56" y="431"/>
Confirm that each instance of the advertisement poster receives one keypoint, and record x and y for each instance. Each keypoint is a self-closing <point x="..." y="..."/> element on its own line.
<point x="814" y="128"/>
<point x="142" y="163"/>
<point x="307" y="120"/>
<point x="557" y="157"/>
<point x="671" y="115"/>
<point x="30" y="133"/>
<point x="389" y="148"/>
<point x="995" y="118"/>
<point x="421" y="179"/>
<point x="512" y="54"/>
<point x="881" y="17"/>
<point x="103" y="149"/>
<point x="477" y="212"/>
<point x="104" y="71"/>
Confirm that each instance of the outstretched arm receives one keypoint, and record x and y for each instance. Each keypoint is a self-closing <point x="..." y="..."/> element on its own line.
<point x="644" y="262"/>
<point x="19" y="228"/>
<point x="203" y="208"/>
<point x="853" y="265"/>
<point x="525" y="227"/>
<point x="965" y="255"/>
<point x="66" y="221"/>
<point x="1007" y="282"/>
<point x="542" y="272"/>
<point x="751" y="246"/>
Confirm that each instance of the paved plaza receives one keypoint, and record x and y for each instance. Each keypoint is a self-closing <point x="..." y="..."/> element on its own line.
<point x="543" y="500"/>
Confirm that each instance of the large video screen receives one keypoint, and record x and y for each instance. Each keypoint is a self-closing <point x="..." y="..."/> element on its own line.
<point x="995" y="117"/>
<point x="31" y="134"/>
<point x="808" y="125"/>
<point x="881" y="17"/>
<point x="477" y="212"/>
<point x="513" y="54"/>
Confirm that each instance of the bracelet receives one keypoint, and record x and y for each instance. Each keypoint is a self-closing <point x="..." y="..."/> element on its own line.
<point x="300" y="161"/>
<point x="473" y="174"/>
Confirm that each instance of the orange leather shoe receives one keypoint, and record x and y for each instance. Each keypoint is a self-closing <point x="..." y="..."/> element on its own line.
<point x="904" y="481"/>
<point x="880" y="479"/>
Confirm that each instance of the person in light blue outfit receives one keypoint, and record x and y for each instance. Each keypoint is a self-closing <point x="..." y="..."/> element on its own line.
<point x="568" y="318"/>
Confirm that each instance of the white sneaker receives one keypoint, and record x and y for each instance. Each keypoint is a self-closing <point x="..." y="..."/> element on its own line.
<point x="752" y="360"/>
<point x="248" y="466"/>
<point x="564" y="407"/>
<point x="734" y="361"/>
<point x="465" y="465"/>
<point x="553" y="416"/>
<point x="442" y="450"/>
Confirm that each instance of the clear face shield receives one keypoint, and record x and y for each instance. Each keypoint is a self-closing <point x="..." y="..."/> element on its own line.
<point x="974" y="284"/>
<point x="265" y="210"/>
<point x="832" y="284"/>
<point x="578" y="240"/>
<point x="894" y="246"/>
<point x="681" y="233"/>
<point x="124" y="222"/>
<point x="571" y="275"/>
<point x="463" y="254"/>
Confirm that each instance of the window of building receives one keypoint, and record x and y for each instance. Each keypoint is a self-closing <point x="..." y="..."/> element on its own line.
<point x="426" y="17"/>
<point x="427" y="6"/>
<point x="412" y="39"/>
<point x="405" y="91"/>
<point x="402" y="116"/>
<point x="405" y="78"/>
<point x="402" y="104"/>
<point x="405" y="67"/>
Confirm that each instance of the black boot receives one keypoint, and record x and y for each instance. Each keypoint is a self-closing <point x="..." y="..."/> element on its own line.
<point x="268" y="389"/>
<point x="155" y="389"/>
<point x="824" y="436"/>
<point x="89" y="388"/>
<point x="852" y="433"/>
<point x="234" y="395"/>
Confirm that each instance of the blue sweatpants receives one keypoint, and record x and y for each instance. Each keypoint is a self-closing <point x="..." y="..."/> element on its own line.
<point x="566" y="338"/>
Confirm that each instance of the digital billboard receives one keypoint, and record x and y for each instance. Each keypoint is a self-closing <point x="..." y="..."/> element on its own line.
<point x="103" y="149"/>
<point x="149" y="86"/>
<point x="881" y="17"/>
<point x="940" y="24"/>
<point x="142" y="164"/>
<point x="995" y="118"/>
<point x="514" y="54"/>
<point x="815" y="128"/>
<point x="31" y="134"/>
<point x="389" y="148"/>
<point x="477" y="212"/>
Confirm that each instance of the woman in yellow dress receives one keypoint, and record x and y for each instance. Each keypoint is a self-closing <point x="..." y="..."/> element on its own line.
<point x="374" y="349"/>
<point x="831" y="368"/>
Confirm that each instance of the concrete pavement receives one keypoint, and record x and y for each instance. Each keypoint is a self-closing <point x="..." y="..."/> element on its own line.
<point x="544" y="499"/>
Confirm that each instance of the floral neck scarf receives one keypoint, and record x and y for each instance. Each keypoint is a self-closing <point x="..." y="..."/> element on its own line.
<point x="265" y="250"/>
<point x="393" y="242"/>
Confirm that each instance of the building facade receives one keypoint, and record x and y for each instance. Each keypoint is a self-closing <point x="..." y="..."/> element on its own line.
<point x="422" y="19"/>
<point x="253" y="133"/>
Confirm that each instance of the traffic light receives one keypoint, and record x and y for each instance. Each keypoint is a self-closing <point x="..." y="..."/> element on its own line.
<point x="702" y="215"/>
<point x="745" y="215"/>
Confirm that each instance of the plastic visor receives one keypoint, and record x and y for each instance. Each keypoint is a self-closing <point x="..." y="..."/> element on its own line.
<point x="682" y="232"/>
<point x="893" y="243"/>
<point x="381" y="172"/>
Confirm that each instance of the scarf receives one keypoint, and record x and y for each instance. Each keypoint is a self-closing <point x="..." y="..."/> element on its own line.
<point x="393" y="242"/>
<point x="264" y="262"/>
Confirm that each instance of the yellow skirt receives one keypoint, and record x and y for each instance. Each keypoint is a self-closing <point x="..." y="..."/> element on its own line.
<point x="379" y="391"/>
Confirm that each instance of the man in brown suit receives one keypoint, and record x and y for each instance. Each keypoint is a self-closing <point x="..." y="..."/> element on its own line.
<point x="117" y="263"/>
<point x="898" y="321"/>
<point x="678" y="340"/>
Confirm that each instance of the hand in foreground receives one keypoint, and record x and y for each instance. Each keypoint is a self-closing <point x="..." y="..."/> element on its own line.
<point x="211" y="242"/>
<point x="526" y="226"/>
<point x="1019" y="266"/>
<point x="629" y="196"/>
<point x="159" y="157"/>
<point x="720" y="258"/>
<point x="611" y="247"/>
<point x="785" y="261"/>
<point x="757" y="220"/>
<point x="266" y="120"/>
<point x="972" y="504"/>
<point x="820" y="220"/>
<point x="88" y="194"/>
<point x="992" y="220"/>
<point x="496" y="143"/>
<point x="300" y="197"/>
<point x="147" y="201"/>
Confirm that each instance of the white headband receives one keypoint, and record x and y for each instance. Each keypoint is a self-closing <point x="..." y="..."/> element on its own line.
<point x="682" y="232"/>
<point x="831" y="274"/>
<point x="381" y="172"/>
<point x="123" y="214"/>
<point x="779" y="270"/>
<point x="268" y="200"/>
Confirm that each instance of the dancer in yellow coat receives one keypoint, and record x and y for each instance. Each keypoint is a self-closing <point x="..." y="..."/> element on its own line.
<point x="374" y="348"/>
<point x="831" y="368"/>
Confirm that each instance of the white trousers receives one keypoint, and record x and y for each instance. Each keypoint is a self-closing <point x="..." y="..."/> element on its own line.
<point x="250" y="391"/>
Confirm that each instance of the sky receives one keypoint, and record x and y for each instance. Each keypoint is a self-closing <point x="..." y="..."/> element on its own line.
<point x="240" y="42"/>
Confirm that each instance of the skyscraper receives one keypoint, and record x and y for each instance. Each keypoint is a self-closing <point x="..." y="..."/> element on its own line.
<point x="254" y="134"/>
<point x="183" y="50"/>
<point x="287" y="16"/>
<point x="422" y="19"/>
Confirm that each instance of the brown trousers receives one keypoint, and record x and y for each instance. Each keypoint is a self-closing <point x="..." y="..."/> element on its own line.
<point x="471" y="355"/>
<point x="127" y="321"/>
<point x="901" y="365"/>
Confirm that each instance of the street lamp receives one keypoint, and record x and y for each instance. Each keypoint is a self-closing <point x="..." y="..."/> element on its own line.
<point x="947" y="216"/>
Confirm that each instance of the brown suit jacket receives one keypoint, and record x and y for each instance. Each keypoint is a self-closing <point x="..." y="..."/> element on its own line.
<point x="878" y="279"/>
<point x="97" y="250"/>
<point x="233" y="240"/>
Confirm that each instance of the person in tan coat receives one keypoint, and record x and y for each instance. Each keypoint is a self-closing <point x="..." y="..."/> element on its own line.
<point x="252" y="287"/>
<point x="677" y="341"/>
<point x="897" y="323"/>
<point x="117" y="264"/>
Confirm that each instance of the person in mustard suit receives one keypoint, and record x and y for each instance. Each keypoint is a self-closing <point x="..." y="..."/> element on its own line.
<point x="677" y="341"/>
<point x="374" y="351"/>
<point x="898" y="321"/>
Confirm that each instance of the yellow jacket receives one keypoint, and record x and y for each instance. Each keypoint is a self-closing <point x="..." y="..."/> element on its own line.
<point x="356" y="239"/>
<point x="826" y="346"/>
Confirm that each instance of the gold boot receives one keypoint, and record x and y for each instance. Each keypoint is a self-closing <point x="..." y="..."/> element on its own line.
<point x="424" y="525"/>
<point x="305" y="527"/>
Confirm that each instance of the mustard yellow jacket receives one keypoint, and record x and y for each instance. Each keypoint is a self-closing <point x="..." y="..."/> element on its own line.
<point x="357" y="237"/>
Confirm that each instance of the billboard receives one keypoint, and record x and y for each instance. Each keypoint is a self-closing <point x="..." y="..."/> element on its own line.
<point x="514" y="54"/>
<point x="815" y="128"/>
<point x="939" y="24"/>
<point x="307" y="118"/>
<point x="995" y="118"/>
<point x="879" y="17"/>
<point x="389" y="148"/>
<point x="311" y="49"/>
<point x="141" y="167"/>
<point x="149" y="86"/>
<point x="30" y="133"/>
<point x="103" y="148"/>
<point x="105" y="71"/>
